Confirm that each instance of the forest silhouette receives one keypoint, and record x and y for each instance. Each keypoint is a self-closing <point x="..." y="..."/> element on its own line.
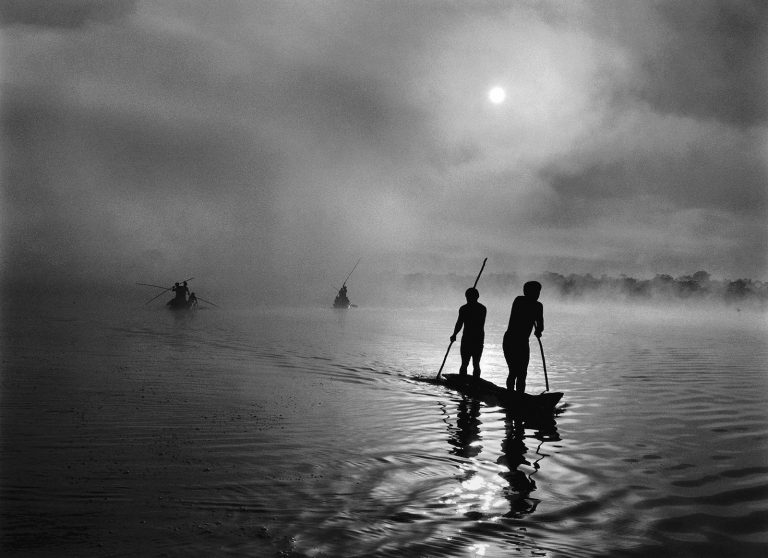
<point x="698" y="287"/>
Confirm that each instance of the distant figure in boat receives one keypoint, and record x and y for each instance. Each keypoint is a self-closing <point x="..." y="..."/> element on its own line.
<point x="192" y="300"/>
<point x="527" y="315"/>
<point x="180" y="299"/>
<point x="472" y="318"/>
<point x="341" y="300"/>
<point x="181" y="293"/>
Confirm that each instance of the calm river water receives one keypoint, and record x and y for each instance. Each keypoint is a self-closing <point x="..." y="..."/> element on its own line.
<point x="306" y="432"/>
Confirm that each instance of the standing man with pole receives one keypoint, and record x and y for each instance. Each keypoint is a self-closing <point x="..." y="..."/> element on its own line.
<point x="472" y="318"/>
<point x="472" y="339"/>
<point x="527" y="315"/>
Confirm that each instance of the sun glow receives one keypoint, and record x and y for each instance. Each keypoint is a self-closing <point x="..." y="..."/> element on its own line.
<point x="497" y="95"/>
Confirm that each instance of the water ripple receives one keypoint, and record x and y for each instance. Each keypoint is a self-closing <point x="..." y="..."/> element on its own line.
<point x="309" y="434"/>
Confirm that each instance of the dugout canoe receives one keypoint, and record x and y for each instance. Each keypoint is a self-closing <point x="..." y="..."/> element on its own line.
<point x="491" y="394"/>
<point x="179" y="305"/>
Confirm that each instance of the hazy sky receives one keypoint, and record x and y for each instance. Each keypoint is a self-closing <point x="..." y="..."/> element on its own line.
<point x="256" y="142"/>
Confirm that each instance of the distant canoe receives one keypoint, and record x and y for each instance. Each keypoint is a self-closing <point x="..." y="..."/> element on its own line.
<point x="341" y="304"/>
<point x="490" y="393"/>
<point x="178" y="305"/>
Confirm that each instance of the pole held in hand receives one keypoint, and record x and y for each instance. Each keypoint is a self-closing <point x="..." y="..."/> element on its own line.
<point x="444" y="359"/>
<point x="543" y="364"/>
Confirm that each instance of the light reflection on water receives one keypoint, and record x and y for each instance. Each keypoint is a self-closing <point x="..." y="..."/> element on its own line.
<point x="307" y="432"/>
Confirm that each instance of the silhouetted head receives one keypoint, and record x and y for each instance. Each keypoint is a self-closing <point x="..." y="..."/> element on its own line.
<point x="176" y="284"/>
<point x="532" y="289"/>
<point x="185" y="283"/>
<point x="472" y="294"/>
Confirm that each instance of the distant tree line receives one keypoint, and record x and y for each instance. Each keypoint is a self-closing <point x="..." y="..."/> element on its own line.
<point x="699" y="286"/>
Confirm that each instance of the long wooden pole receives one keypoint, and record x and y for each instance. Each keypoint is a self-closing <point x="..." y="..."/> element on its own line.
<point x="543" y="364"/>
<point x="451" y="343"/>
<point x="479" y="274"/>
<point x="158" y="296"/>
<point x="444" y="359"/>
<point x="351" y="272"/>
<point x="207" y="301"/>
<point x="151" y="285"/>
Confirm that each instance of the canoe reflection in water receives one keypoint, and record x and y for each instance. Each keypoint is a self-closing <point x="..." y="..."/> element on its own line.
<point x="479" y="497"/>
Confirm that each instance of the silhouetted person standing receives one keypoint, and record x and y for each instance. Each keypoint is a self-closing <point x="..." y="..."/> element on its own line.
<point x="180" y="297"/>
<point x="527" y="315"/>
<point x="341" y="300"/>
<point x="472" y="318"/>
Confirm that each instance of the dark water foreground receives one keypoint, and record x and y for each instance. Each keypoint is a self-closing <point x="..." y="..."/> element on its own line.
<point x="305" y="433"/>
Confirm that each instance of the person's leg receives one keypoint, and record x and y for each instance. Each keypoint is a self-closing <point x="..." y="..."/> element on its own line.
<point x="523" y="356"/>
<point x="517" y="354"/>
<point x="510" y="358"/>
<point x="465" y="356"/>
<point x="476" y="354"/>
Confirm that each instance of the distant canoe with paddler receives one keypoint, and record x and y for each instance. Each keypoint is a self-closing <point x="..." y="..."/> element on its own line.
<point x="183" y="299"/>
<point x="341" y="302"/>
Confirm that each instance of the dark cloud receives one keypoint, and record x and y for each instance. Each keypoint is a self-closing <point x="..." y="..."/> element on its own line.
<point x="714" y="63"/>
<point x="705" y="178"/>
<point x="698" y="58"/>
<point x="63" y="13"/>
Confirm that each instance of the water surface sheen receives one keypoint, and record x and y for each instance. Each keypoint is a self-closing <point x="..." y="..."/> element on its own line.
<point x="307" y="432"/>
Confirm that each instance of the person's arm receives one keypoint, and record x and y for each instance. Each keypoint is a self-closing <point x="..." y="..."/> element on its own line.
<point x="459" y="323"/>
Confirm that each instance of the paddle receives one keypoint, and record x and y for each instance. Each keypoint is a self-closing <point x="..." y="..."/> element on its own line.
<point x="207" y="301"/>
<point x="351" y="272"/>
<point x="451" y="343"/>
<point x="168" y="289"/>
<point x="543" y="364"/>
<point x="151" y="285"/>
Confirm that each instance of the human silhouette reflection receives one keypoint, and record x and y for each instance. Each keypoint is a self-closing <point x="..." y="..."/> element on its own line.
<point x="514" y="458"/>
<point x="465" y="437"/>
<point x="518" y="465"/>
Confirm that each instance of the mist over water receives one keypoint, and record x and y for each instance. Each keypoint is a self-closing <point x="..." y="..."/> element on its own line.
<point x="307" y="432"/>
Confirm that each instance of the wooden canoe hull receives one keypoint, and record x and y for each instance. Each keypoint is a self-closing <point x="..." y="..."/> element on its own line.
<point x="492" y="394"/>
<point x="177" y="304"/>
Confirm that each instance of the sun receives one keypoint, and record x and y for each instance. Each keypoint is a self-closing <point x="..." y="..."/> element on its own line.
<point x="497" y="95"/>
